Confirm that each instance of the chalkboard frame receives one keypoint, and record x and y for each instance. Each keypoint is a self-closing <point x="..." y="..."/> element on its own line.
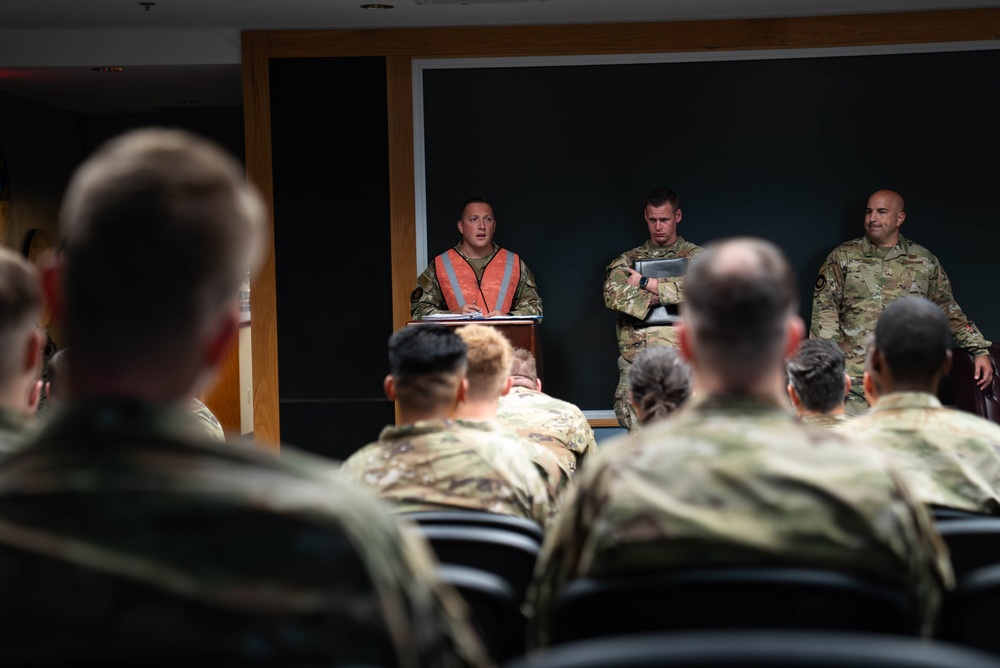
<point x="421" y="66"/>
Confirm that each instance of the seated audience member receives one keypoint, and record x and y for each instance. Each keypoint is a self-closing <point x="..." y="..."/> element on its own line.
<point x="870" y="383"/>
<point x="659" y="383"/>
<point x="126" y="535"/>
<point x="20" y="348"/>
<point x="733" y="479"/>
<point x="488" y="373"/>
<point x="430" y="462"/>
<point x="949" y="457"/>
<point x="55" y="375"/>
<point x="558" y="426"/>
<point x="818" y="383"/>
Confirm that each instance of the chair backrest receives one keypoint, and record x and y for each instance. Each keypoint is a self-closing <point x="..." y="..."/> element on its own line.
<point x="510" y="555"/>
<point x="760" y="649"/>
<point x="943" y="514"/>
<point x="970" y="612"/>
<point x="472" y="518"/>
<point x="973" y="543"/>
<point x="495" y="608"/>
<point x="749" y="597"/>
<point x="968" y="396"/>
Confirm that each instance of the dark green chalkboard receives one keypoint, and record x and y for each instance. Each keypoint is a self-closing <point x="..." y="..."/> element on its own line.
<point x="783" y="149"/>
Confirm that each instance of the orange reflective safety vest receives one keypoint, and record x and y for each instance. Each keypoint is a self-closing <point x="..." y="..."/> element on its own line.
<point x="494" y="292"/>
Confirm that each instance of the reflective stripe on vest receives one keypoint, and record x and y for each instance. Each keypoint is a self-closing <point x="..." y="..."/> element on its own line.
<point x="497" y="287"/>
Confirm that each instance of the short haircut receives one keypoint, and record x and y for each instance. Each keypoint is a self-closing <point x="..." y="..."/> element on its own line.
<point x="474" y="200"/>
<point x="525" y="367"/>
<point x="661" y="196"/>
<point x="490" y="359"/>
<point x="913" y="338"/>
<point x="739" y="295"/>
<point x="817" y="374"/>
<point x="20" y="305"/>
<point x="659" y="382"/>
<point x="159" y="227"/>
<point x="427" y="362"/>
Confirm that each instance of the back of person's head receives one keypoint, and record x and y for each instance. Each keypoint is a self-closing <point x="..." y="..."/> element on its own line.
<point x="740" y="296"/>
<point x="427" y="364"/>
<point x="817" y="373"/>
<point x="913" y="338"/>
<point x="158" y="229"/>
<point x="490" y="358"/>
<point x="659" y="382"/>
<point x="524" y="370"/>
<point x="660" y="196"/>
<point x="55" y="377"/>
<point x="20" y="306"/>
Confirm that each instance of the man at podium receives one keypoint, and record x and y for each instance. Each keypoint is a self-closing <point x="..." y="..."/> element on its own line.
<point x="634" y="296"/>
<point x="476" y="276"/>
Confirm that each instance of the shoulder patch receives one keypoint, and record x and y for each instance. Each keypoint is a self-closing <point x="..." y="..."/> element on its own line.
<point x="417" y="293"/>
<point x="820" y="282"/>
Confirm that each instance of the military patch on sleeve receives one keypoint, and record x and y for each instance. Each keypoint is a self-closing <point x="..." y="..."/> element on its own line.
<point x="417" y="293"/>
<point x="820" y="282"/>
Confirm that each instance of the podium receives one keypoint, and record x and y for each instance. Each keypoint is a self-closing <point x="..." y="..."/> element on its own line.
<point x="522" y="333"/>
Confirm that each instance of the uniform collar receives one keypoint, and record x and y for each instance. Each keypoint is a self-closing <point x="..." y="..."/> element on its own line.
<point x="458" y="249"/>
<point x="418" y="428"/>
<point x="901" y="400"/>
<point x="871" y="250"/>
<point x="648" y="247"/>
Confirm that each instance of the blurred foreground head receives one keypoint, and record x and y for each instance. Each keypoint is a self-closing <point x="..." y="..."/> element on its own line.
<point x="158" y="229"/>
<point x="739" y="316"/>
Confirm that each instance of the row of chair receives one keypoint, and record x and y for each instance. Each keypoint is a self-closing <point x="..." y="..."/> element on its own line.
<point x="490" y="558"/>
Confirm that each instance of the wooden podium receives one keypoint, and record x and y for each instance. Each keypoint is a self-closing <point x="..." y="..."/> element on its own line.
<point x="521" y="334"/>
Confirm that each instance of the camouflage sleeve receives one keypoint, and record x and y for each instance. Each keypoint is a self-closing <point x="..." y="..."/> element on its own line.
<point x="581" y="439"/>
<point x="563" y="550"/>
<point x="622" y="297"/>
<point x="827" y="296"/>
<point x="208" y="420"/>
<point x="526" y="299"/>
<point x="427" y="297"/>
<point x="671" y="290"/>
<point x="963" y="330"/>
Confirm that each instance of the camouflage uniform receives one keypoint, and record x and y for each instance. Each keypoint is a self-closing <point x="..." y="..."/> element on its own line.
<point x="427" y="297"/>
<point x="436" y="464"/>
<point x="856" y="283"/>
<point x="950" y="458"/>
<point x="15" y="428"/>
<point x="125" y="534"/>
<point x="730" y="481"/>
<point x="632" y="304"/>
<point x="824" y="420"/>
<point x="208" y="420"/>
<point x="556" y="425"/>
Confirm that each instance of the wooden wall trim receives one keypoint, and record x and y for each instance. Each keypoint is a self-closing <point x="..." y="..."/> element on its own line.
<point x="257" y="123"/>
<point x="402" y="206"/>
<point x="623" y="38"/>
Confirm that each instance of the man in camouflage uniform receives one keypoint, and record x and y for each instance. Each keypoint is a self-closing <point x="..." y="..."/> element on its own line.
<point x="558" y="426"/>
<point x="477" y="226"/>
<point x="633" y="295"/>
<point x="125" y="534"/>
<point x="429" y="461"/>
<point x="863" y="276"/>
<point x="732" y="479"/>
<point x="950" y="458"/>
<point x="20" y="347"/>
<point x="818" y="383"/>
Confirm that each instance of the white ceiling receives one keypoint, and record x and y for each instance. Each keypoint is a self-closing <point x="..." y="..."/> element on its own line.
<point x="183" y="50"/>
